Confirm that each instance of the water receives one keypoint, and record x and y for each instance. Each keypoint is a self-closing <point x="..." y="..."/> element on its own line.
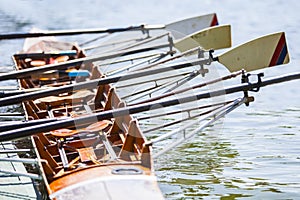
<point x="254" y="152"/>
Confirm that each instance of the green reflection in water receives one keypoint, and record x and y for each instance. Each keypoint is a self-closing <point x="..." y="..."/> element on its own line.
<point x="194" y="170"/>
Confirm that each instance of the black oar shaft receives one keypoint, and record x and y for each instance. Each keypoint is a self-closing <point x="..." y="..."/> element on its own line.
<point x="45" y="54"/>
<point x="77" y="62"/>
<point x="28" y="131"/>
<point x="11" y="93"/>
<point x="280" y="79"/>
<point x="93" y="83"/>
<point x="78" y="32"/>
<point x="15" y="125"/>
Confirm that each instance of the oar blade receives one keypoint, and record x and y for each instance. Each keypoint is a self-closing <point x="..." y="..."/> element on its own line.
<point x="191" y="25"/>
<point x="266" y="51"/>
<point x="217" y="37"/>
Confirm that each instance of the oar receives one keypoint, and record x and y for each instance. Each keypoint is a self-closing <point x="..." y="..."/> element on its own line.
<point x="15" y="125"/>
<point x="256" y="55"/>
<point x="94" y="83"/>
<point x="223" y="31"/>
<point x="72" y="122"/>
<point x="142" y="27"/>
<point x="46" y="54"/>
<point x="211" y="38"/>
<point x="248" y="52"/>
<point x="179" y="29"/>
<point x="185" y="27"/>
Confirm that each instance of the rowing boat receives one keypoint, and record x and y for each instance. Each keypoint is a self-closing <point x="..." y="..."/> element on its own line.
<point x="87" y="143"/>
<point x="105" y="159"/>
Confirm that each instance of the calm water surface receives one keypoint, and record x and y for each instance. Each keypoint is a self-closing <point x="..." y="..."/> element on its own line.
<point x="254" y="153"/>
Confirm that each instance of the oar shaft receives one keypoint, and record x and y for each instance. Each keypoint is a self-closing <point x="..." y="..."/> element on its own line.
<point x="76" y="62"/>
<point x="78" y="32"/>
<point x="93" y="83"/>
<point x="7" y="93"/>
<point x="17" y="125"/>
<point x="31" y="130"/>
<point x="280" y="79"/>
<point x="45" y="54"/>
<point x="11" y="93"/>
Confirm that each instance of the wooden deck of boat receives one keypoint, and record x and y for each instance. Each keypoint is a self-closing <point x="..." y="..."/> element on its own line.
<point x="14" y="187"/>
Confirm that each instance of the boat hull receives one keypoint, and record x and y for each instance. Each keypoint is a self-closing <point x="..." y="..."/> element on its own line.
<point x="108" y="182"/>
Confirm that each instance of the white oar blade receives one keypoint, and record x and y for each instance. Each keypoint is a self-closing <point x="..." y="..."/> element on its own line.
<point x="266" y="51"/>
<point x="217" y="37"/>
<point x="188" y="26"/>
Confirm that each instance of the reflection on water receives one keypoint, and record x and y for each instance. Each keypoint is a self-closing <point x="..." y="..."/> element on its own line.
<point x="196" y="167"/>
<point x="214" y="167"/>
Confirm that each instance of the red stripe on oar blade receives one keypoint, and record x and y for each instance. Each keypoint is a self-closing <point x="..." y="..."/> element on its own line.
<point x="279" y="49"/>
<point x="214" y="21"/>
